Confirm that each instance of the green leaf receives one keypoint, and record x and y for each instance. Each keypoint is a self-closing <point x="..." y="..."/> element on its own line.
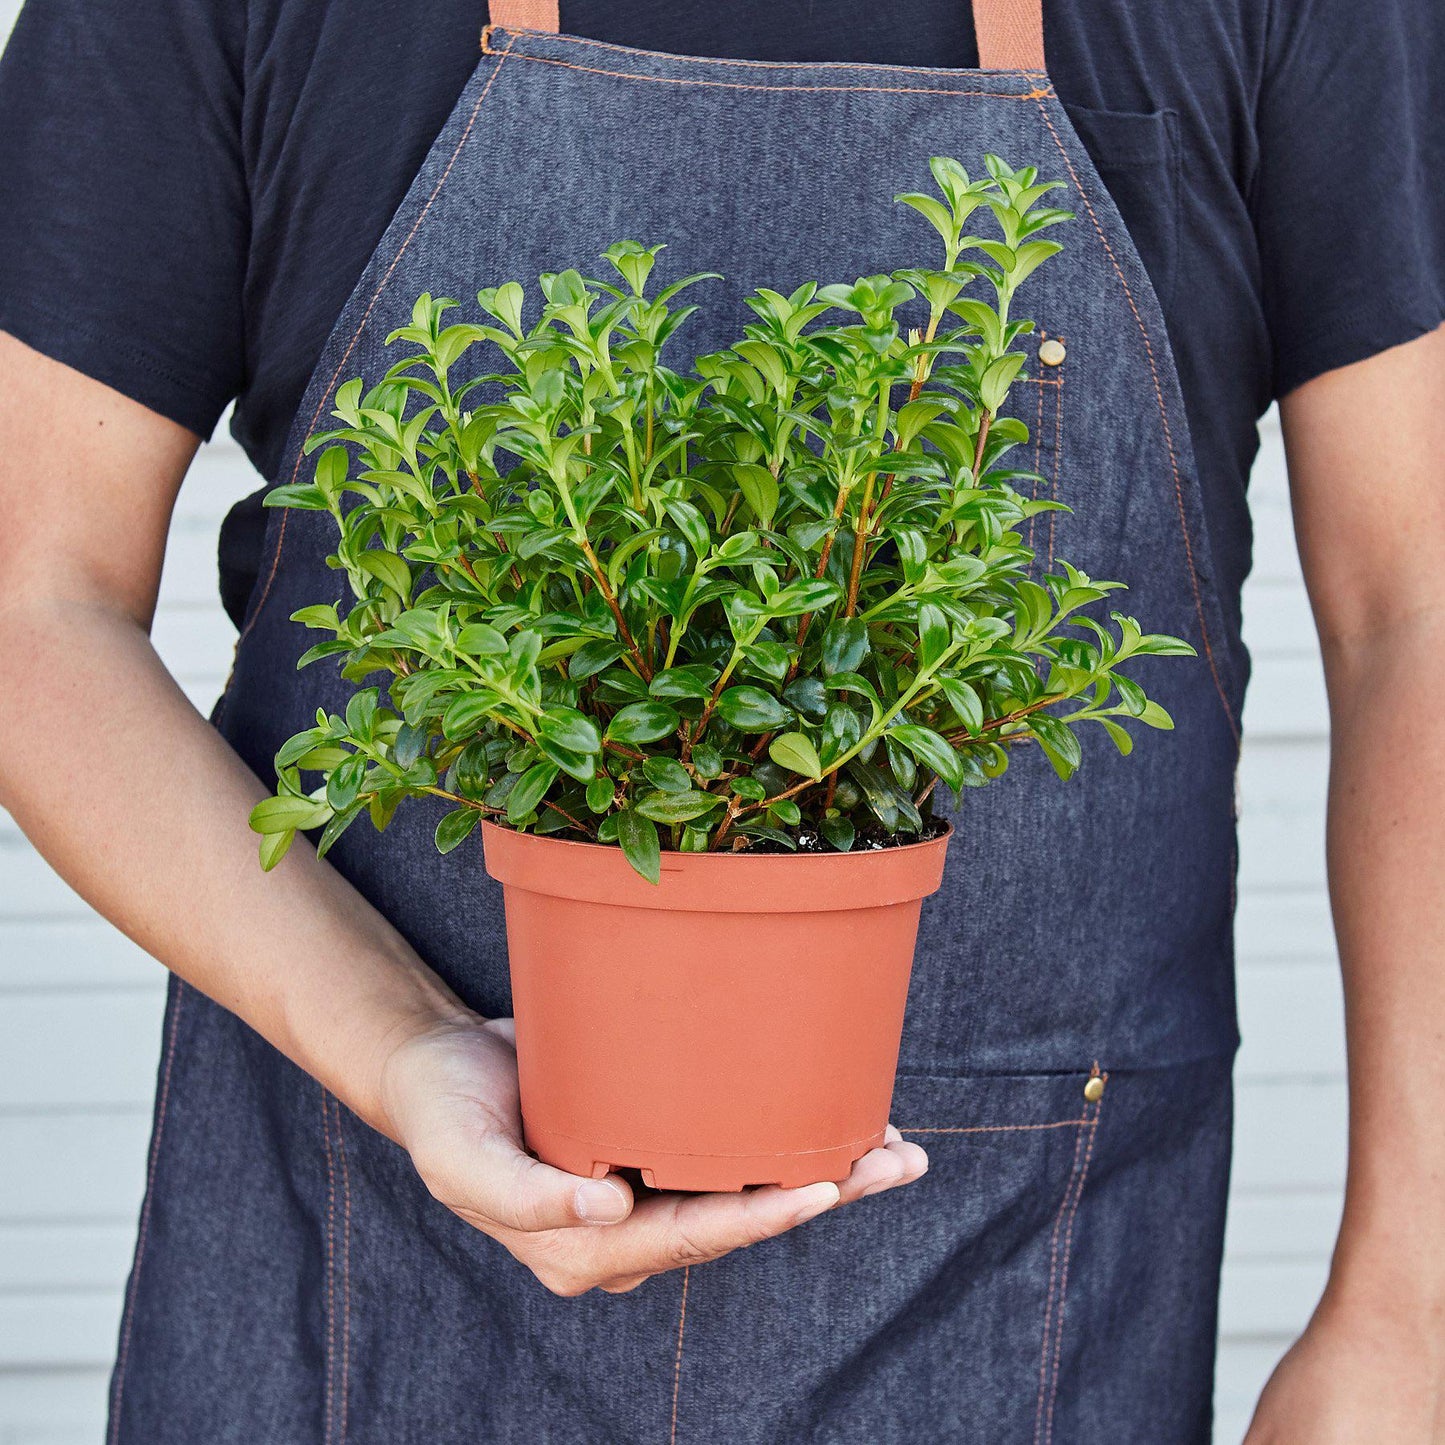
<point x="1057" y="740"/>
<point x="751" y="710"/>
<point x="845" y="645"/>
<point x="408" y="745"/>
<point x="466" y="713"/>
<point x="531" y="788"/>
<point x="481" y="640"/>
<point x="667" y="774"/>
<point x="637" y="837"/>
<point x="643" y="722"/>
<point x="842" y="729"/>
<point x="798" y="597"/>
<point x="299" y="497"/>
<point x="795" y="751"/>
<point x="1155" y="716"/>
<point x="600" y="793"/>
<point x="695" y="681"/>
<point x="932" y="751"/>
<point x="454" y="827"/>
<point x="275" y="846"/>
<point x="672" y="808"/>
<point x="934" y="634"/>
<point x="760" y="489"/>
<point x="288" y="813"/>
<point x="344" y="784"/>
<point x="1120" y="735"/>
<point x="1160" y="644"/>
<point x="707" y="761"/>
<point x="388" y="569"/>
<point x="567" y="728"/>
<point x="839" y="832"/>
<point x="964" y="700"/>
<point x="592" y="657"/>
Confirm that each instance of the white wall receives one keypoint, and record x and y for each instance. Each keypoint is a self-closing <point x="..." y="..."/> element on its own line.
<point x="80" y="1015"/>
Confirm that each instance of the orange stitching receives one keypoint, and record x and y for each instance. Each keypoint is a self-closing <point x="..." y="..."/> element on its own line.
<point x="995" y="1128"/>
<point x="361" y="326"/>
<point x="769" y="64"/>
<point x="677" y="1362"/>
<point x="735" y="85"/>
<point x="1163" y="417"/>
<point x="1038" y="462"/>
<point x="1064" y="1276"/>
<point x="145" y="1214"/>
<point x="345" y="1273"/>
<point x="329" y="1392"/>
<point x="1053" y="1279"/>
<point x="1058" y="460"/>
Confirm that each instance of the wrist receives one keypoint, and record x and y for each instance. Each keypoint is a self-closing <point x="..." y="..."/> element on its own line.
<point x="1388" y="1285"/>
<point x="393" y="1003"/>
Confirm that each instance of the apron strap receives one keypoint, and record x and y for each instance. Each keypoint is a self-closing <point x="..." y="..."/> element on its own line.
<point x="1010" y="32"/>
<point x="525" y="15"/>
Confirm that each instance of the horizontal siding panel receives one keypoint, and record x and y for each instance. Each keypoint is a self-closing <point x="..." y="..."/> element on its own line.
<point x="1244" y="1366"/>
<point x="68" y="1051"/>
<point x="53" y="1407"/>
<point x="1269" y="1298"/>
<point x="1278" y="621"/>
<point x="195" y="643"/>
<point x="82" y="952"/>
<point x="1293" y="1023"/>
<point x="1287" y="700"/>
<point x="1275" y="926"/>
<point x="1281" y="1226"/>
<point x="87" y="1257"/>
<point x="80" y="1327"/>
<point x="73" y="1167"/>
<point x="30" y="889"/>
<point x="1289" y="1135"/>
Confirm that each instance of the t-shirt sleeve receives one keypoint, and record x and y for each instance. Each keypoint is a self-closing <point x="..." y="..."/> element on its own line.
<point x="1348" y="201"/>
<point x="123" y="211"/>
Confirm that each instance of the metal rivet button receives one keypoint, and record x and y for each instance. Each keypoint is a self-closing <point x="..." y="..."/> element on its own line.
<point x="1094" y="1089"/>
<point x="1052" y="353"/>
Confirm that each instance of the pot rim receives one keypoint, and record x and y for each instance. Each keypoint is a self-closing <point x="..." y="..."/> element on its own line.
<point x="716" y="882"/>
<point x="488" y="826"/>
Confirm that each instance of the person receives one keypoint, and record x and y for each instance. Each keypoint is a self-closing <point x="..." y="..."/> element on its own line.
<point x="194" y="193"/>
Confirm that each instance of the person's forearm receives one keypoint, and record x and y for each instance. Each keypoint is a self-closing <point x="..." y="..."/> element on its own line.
<point x="139" y="804"/>
<point x="1387" y="884"/>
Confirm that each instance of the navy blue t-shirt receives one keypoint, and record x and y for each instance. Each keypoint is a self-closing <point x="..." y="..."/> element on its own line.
<point x="189" y="189"/>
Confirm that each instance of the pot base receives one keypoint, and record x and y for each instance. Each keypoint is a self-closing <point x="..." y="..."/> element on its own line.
<point x="700" y="1173"/>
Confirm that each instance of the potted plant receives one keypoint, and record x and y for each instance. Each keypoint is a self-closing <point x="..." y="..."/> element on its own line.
<point x="694" y="651"/>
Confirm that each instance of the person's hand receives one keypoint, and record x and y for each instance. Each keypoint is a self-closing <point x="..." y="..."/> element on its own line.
<point x="450" y="1099"/>
<point x="1359" y="1375"/>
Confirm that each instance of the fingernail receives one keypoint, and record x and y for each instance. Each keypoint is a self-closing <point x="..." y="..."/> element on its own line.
<point x="598" y="1201"/>
<point x="814" y="1199"/>
<point x="891" y="1182"/>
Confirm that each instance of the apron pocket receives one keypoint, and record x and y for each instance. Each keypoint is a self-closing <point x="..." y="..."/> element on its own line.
<point x="933" y="1313"/>
<point x="1138" y="158"/>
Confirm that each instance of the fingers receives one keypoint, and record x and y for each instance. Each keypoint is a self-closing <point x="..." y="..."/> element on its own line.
<point x="893" y="1163"/>
<point x="671" y="1231"/>
<point x="498" y="1186"/>
<point x="509" y="1193"/>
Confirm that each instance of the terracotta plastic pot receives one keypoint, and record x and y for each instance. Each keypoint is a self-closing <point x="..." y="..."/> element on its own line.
<point x="736" y="1024"/>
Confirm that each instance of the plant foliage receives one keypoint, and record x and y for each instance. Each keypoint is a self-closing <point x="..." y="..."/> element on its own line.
<point x="771" y="600"/>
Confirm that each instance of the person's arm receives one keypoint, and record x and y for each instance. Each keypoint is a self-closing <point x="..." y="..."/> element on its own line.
<point x="136" y="800"/>
<point x="1366" y="450"/>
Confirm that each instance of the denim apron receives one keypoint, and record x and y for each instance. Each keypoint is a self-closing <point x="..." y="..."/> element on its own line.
<point x="1071" y="1022"/>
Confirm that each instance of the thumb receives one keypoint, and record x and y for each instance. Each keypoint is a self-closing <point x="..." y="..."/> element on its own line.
<point x="515" y="1191"/>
